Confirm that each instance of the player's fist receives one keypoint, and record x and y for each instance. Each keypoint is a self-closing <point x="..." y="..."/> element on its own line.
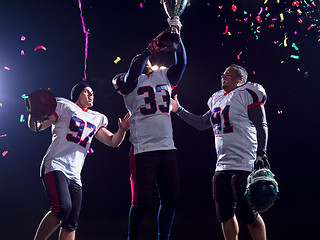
<point x="261" y="162"/>
<point x="175" y="22"/>
<point x="156" y="45"/>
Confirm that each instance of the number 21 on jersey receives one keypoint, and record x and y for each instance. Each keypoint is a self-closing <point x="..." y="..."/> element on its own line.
<point x="217" y="120"/>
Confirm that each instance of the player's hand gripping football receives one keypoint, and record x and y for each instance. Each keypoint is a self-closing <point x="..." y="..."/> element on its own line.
<point x="124" y="124"/>
<point x="261" y="162"/>
<point x="175" y="103"/>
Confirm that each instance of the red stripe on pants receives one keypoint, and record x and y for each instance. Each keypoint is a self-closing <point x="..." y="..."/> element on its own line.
<point x="52" y="192"/>
<point x="133" y="182"/>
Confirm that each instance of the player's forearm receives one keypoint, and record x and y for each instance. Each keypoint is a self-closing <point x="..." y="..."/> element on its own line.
<point x="258" y="116"/>
<point x="176" y="71"/>
<point x="199" y="122"/>
<point x="135" y="71"/>
<point x="117" y="138"/>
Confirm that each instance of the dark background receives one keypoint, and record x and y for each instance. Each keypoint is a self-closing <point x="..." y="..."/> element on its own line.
<point x="122" y="29"/>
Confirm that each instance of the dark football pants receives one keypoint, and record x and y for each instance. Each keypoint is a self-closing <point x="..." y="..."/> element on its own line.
<point x="146" y="169"/>
<point x="228" y="193"/>
<point x="65" y="198"/>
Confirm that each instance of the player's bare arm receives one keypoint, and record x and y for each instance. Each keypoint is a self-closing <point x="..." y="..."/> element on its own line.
<point x="114" y="140"/>
<point x="37" y="126"/>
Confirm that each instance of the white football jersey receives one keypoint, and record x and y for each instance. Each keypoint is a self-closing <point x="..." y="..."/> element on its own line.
<point x="149" y="105"/>
<point x="71" y="138"/>
<point x="235" y="135"/>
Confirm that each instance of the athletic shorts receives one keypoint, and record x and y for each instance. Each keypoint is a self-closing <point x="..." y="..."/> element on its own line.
<point x="152" y="167"/>
<point x="65" y="198"/>
<point x="228" y="189"/>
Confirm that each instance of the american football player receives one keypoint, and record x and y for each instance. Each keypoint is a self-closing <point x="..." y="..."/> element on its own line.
<point x="146" y="94"/>
<point x="237" y="116"/>
<point x="73" y="126"/>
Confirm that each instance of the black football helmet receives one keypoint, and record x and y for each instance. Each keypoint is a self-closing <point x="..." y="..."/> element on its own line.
<point x="262" y="189"/>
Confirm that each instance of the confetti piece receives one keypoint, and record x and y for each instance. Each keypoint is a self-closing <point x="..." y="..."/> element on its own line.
<point x="259" y="19"/>
<point x="285" y="42"/>
<point x="3" y="135"/>
<point x="22" y="118"/>
<point x="40" y="47"/>
<point x="23" y="38"/>
<point x="279" y="112"/>
<point x="225" y="32"/>
<point x="281" y="17"/>
<point x="261" y="9"/>
<point x="141" y="5"/>
<point x="0" y="104"/>
<point x="311" y="26"/>
<point x="306" y="3"/>
<point x="4" y="153"/>
<point x="90" y="150"/>
<point x="86" y="44"/>
<point x="238" y="57"/>
<point x="258" y="29"/>
<point x="117" y="60"/>
<point x="294" y="56"/>
<point x="234" y="8"/>
<point x="295" y="46"/>
<point x="22" y="52"/>
<point x="24" y="96"/>
<point x="295" y="3"/>
<point x="7" y="68"/>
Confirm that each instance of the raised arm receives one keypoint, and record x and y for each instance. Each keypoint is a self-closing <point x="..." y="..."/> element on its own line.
<point x="135" y="70"/>
<point x="199" y="122"/>
<point x="114" y="140"/>
<point x="176" y="71"/>
<point x="138" y="65"/>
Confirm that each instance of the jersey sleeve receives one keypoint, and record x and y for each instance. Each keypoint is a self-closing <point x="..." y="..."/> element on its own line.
<point x="256" y="95"/>
<point x="60" y="107"/>
<point x="104" y="122"/>
<point x="210" y="102"/>
<point x="118" y="82"/>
